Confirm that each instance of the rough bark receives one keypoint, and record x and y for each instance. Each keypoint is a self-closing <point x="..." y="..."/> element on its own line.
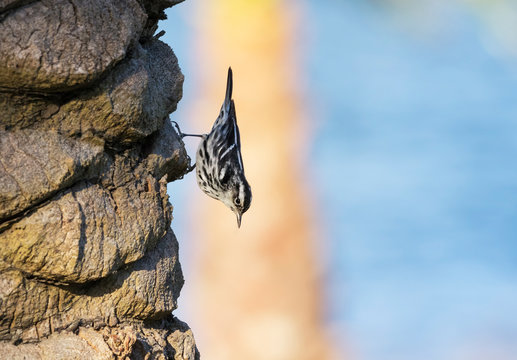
<point x="88" y="263"/>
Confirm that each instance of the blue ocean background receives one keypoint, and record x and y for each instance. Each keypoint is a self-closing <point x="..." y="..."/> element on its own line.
<point x="413" y="157"/>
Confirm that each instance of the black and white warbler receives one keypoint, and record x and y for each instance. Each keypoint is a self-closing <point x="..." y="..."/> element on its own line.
<point x="219" y="169"/>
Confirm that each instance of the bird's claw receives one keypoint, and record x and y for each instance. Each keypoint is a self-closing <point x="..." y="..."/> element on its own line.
<point x="190" y="168"/>
<point x="178" y="130"/>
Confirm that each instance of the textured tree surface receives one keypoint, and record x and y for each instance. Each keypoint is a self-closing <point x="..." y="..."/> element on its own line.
<point x="88" y="263"/>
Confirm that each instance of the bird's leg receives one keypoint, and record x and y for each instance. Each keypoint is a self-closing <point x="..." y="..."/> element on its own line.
<point x="181" y="134"/>
<point x="189" y="168"/>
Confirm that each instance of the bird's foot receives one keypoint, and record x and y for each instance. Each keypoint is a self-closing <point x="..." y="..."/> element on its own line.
<point x="190" y="168"/>
<point x="178" y="130"/>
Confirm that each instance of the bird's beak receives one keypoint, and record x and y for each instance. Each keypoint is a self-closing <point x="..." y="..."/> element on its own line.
<point x="239" y="218"/>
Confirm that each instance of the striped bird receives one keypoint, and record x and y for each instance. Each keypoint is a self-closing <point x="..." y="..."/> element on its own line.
<point x="219" y="168"/>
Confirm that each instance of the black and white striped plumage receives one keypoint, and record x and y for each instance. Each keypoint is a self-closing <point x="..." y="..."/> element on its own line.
<point x="219" y="169"/>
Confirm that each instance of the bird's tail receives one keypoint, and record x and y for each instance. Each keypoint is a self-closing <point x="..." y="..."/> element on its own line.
<point x="229" y="88"/>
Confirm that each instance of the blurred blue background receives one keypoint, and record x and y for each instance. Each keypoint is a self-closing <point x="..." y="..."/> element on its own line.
<point x="416" y="110"/>
<point x="415" y="159"/>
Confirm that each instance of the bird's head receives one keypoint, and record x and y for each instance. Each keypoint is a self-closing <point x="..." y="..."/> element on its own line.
<point x="238" y="198"/>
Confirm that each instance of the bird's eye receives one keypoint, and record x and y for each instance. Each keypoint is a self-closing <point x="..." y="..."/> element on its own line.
<point x="237" y="201"/>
